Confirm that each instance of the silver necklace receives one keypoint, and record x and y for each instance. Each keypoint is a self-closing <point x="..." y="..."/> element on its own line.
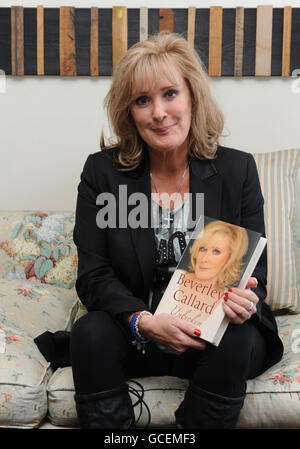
<point x="170" y="215"/>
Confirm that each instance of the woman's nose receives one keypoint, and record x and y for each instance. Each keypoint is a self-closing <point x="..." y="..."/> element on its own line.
<point x="205" y="257"/>
<point x="158" y="110"/>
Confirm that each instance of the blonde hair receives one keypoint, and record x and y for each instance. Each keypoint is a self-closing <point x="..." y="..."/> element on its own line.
<point x="131" y="73"/>
<point x="238" y="247"/>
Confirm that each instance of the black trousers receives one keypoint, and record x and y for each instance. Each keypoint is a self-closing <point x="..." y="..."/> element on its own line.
<point x="103" y="357"/>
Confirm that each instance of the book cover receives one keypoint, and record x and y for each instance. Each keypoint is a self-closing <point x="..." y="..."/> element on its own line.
<point x="219" y="255"/>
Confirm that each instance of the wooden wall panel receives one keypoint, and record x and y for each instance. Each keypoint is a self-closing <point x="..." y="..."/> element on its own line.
<point x="249" y="48"/>
<point x="295" y="41"/>
<point x="263" y="40"/>
<point x="276" y="51"/>
<point x="68" y="41"/>
<point x="94" y="42"/>
<point x="166" y="20"/>
<point x="181" y="21"/>
<point x="5" y="40"/>
<point x="215" y="41"/>
<point x="105" y="41"/>
<point x="133" y="17"/>
<point x="51" y="44"/>
<point x="40" y="41"/>
<point x="82" y="23"/>
<point x="143" y="23"/>
<point x="30" y="41"/>
<point x="201" y="41"/>
<point x="119" y="32"/>
<point x="228" y="42"/>
<point x="239" y="41"/>
<point x="67" y="53"/>
<point x="286" y="44"/>
<point x="191" y="25"/>
<point x="17" y="40"/>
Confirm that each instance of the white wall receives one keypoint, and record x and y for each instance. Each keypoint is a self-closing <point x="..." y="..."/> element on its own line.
<point x="49" y="125"/>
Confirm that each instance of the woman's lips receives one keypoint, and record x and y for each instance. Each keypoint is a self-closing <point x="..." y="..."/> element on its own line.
<point x="162" y="130"/>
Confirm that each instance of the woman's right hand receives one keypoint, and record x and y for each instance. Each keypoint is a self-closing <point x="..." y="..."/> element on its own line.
<point x="170" y="331"/>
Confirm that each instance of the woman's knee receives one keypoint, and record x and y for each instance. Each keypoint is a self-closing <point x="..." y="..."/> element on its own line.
<point x="236" y="347"/>
<point x="97" y="349"/>
<point x="226" y="368"/>
<point x="93" y="333"/>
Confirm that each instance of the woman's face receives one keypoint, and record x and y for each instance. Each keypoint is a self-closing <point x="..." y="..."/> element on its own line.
<point x="212" y="257"/>
<point x="162" y="112"/>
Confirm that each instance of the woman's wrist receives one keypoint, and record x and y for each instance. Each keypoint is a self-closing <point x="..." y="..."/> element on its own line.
<point x="143" y="324"/>
<point x="133" y="321"/>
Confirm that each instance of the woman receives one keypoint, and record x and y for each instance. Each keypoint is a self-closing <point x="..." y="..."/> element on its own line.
<point x="217" y="253"/>
<point x="216" y="262"/>
<point x="167" y="126"/>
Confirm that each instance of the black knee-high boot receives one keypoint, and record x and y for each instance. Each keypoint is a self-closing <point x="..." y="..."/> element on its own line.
<point x="111" y="409"/>
<point x="202" y="409"/>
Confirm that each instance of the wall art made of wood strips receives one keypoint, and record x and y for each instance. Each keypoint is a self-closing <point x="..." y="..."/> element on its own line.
<point x="68" y="41"/>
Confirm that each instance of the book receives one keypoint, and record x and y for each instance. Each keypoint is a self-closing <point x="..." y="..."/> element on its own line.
<point x="219" y="255"/>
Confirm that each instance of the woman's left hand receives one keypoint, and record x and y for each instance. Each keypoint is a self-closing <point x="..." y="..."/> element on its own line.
<point x="240" y="303"/>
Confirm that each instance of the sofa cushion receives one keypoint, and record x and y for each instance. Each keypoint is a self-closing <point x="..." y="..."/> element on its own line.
<point x="38" y="245"/>
<point x="272" y="398"/>
<point x="31" y="308"/>
<point x="24" y="375"/>
<point x="162" y="395"/>
<point x="28" y="309"/>
<point x="278" y="172"/>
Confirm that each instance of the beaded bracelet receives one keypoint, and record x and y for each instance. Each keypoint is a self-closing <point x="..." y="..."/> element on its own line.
<point x="134" y="326"/>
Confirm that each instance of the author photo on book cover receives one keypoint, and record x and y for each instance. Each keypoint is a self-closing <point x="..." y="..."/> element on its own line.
<point x="166" y="129"/>
<point x="215" y="264"/>
<point x="217" y="254"/>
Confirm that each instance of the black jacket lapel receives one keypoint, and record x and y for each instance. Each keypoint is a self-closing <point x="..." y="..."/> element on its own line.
<point x="204" y="178"/>
<point x="143" y="239"/>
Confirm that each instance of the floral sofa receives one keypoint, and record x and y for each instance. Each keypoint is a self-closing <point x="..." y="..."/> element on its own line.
<point x="38" y="263"/>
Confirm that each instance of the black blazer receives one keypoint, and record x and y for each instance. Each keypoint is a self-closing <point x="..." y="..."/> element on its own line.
<point x="116" y="266"/>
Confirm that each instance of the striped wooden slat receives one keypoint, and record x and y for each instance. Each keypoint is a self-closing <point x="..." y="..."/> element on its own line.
<point x="94" y="42"/>
<point x="143" y="23"/>
<point x="191" y="25"/>
<point x="67" y="52"/>
<point x="166" y="22"/>
<point x="119" y="32"/>
<point x="40" y="40"/>
<point x="215" y="41"/>
<point x="239" y="41"/>
<point x="286" y="41"/>
<point x="17" y="40"/>
<point x="263" y="40"/>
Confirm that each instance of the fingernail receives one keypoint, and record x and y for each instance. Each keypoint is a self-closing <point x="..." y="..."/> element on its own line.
<point x="197" y="332"/>
<point x="225" y="297"/>
<point x="230" y="289"/>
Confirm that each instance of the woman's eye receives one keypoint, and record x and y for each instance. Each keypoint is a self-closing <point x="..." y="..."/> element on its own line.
<point x="216" y="252"/>
<point x="141" y="101"/>
<point x="172" y="93"/>
<point x="202" y="249"/>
